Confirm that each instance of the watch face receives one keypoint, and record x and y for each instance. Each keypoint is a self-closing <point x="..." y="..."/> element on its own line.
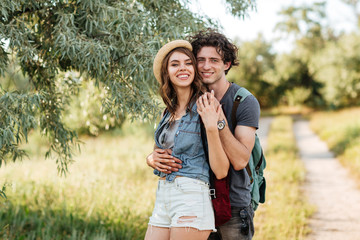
<point x="221" y="124"/>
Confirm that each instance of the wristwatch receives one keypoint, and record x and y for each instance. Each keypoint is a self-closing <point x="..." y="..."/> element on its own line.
<point x="221" y="124"/>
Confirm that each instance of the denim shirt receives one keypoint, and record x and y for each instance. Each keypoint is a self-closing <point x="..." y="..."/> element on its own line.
<point x="188" y="147"/>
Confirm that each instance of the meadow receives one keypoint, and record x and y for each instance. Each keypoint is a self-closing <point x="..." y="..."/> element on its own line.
<point x="341" y="131"/>
<point x="286" y="211"/>
<point x="109" y="190"/>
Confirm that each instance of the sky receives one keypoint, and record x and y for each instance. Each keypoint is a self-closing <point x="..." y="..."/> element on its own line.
<point x="264" y="19"/>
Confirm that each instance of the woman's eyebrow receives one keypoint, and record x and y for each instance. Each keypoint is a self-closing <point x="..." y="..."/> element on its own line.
<point x="175" y="60"/>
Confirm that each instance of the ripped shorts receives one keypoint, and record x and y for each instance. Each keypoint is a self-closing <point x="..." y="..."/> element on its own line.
<point x="184" y="197"/>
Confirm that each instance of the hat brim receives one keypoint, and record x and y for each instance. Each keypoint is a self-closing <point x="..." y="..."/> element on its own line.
<point x="164" y="51"/>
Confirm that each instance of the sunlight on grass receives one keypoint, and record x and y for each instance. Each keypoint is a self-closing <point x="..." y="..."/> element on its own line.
<point x="341" y="131"/>
<point x="285" y="212"/>
<point x="108" y="193"/>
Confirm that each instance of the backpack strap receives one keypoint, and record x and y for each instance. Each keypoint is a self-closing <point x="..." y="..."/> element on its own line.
<point x="260" y="162"/>
<point x="239" y="97"/>
<point x="237" y="101"/>
<point x="243" y="93"/>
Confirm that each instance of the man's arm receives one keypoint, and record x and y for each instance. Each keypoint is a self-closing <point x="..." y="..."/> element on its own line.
<point x="238" y="148"/>
<point x="163" y="161"/>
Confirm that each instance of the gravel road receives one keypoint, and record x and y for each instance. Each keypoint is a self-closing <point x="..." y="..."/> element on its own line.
<point x="329" y="187"/>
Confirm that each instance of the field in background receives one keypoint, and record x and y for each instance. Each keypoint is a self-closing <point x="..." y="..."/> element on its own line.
<point x="285" y="212"/>
<point x="341" y="131"/>
<point x="109" y="191"/>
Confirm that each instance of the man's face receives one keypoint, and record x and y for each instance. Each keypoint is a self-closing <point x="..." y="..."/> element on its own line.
<point x="210" y="65"/>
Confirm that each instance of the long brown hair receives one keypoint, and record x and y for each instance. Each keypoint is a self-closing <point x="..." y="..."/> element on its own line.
<point x="167" y="90"/>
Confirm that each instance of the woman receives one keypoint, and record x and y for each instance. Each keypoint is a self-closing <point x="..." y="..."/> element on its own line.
<point x="183" y="207"/>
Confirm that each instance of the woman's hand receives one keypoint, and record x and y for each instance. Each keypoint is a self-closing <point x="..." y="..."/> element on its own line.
<point x="209" y="110"/>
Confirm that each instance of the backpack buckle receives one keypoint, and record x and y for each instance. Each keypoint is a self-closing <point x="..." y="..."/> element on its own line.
<point x="212" y="192"/>
<point x="238" y="98"/>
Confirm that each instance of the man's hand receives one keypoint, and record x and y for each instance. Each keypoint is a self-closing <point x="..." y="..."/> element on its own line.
<point x="163" y="161"/>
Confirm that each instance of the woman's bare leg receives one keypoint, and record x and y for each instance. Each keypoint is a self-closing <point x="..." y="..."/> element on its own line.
<point x="157" y="233"/>
<point x="188" y="233"/>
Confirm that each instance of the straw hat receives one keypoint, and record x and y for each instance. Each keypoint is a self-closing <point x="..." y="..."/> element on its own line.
<point x="163" y="52"/>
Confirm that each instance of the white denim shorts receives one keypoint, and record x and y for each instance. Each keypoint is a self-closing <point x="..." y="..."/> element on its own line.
<point x="184" y="197"/>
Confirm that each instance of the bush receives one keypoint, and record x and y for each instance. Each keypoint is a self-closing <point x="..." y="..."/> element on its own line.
<point x="85" y="113"/>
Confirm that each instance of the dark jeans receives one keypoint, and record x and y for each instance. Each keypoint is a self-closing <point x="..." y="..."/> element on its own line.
<point x="240" y="226"/>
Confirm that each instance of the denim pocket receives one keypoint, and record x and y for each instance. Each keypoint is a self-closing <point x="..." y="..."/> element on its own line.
<point x="188" y="143"/>
<point x="187" y="185"/>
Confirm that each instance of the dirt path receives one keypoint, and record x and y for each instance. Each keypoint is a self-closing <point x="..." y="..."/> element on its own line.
<point x="262" y="132"/>
<point x="329" y="188"/>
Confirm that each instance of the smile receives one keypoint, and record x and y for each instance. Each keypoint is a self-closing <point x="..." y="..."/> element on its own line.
<point x="183" y="76"/>
<point x="207" y="74"/>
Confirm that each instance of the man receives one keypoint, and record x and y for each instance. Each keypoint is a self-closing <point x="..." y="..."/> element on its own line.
<point x="215" y="56"/>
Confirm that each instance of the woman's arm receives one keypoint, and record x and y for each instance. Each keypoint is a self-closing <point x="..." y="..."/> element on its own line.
<point x="210" y="115"/>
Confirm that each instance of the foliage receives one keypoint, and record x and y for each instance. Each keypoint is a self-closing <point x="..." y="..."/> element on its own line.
<point x="306" y="24"/>
<point x="337" y="67"/>
<point x="113" y="42"/>
<point x="13" y="79"/>
<point x="287" y="78"/>
<point x="256" y="60"/>
<point x="17" y="112"/>
<point x="292" y="76"/>
<point x="322" y="70"/>
<point x="285" y="213"/>
<point x="297" y="96"/>
<point x="239" y="8"/>
<point x="85" y="112"/>
<point x="2" y="192"/>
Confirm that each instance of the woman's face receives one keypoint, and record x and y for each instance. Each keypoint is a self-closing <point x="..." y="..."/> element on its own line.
<point x="180" y="69"/>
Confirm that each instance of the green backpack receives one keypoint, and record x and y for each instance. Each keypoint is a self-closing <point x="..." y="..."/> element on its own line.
<point x="257" y="163"/>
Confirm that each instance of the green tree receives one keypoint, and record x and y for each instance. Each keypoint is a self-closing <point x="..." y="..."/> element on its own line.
<point x="337" y="67"/>
<point x="295" y="82"/>
<point x="13" y="79"/>
<point x="307" y="24"/>
<point x="256" y="61"/>
<point x="113" y="42"/>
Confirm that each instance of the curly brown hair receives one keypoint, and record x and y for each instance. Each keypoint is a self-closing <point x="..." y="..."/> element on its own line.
<point x="211" y="38"/>
<point x="167" y="90"/>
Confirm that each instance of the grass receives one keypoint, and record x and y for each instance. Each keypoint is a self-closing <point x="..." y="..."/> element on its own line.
<point x="108" y="193"/>
<point x="285" y="212"/>
<point x="341" y="131"/>
<point x="286" y="110"/>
